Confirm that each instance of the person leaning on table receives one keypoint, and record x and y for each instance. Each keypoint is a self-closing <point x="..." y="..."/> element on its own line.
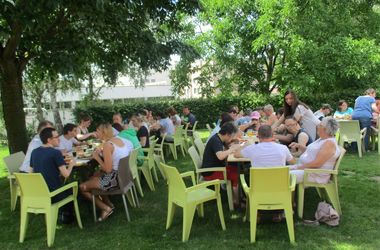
<point x="34" y="143"/>
<point x="364" y="106"/>
<point x="216" y="152"/>
<point x="321" y="154"/>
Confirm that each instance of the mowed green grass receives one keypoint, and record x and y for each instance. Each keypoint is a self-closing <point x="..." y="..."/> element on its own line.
<point x="359" y="227"/>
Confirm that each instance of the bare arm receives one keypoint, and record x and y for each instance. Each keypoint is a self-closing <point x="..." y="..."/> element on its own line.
<point x="278" y="122"/>
<point x="66" y="171"/>
<point x="85" y="136"/>
<point x="105" y="165"/>
<point x="374" y="108"/>
<point x="143" y="141"/>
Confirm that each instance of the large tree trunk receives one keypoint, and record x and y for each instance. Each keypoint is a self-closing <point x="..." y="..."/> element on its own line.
<point x="52" y="88"/>
<point x="13" y="106"/>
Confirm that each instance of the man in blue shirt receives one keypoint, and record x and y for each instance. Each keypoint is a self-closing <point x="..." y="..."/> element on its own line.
<point x="188" y="117"/>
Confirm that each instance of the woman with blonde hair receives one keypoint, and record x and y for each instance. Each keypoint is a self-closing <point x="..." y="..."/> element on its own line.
<point x="108" y="157"/>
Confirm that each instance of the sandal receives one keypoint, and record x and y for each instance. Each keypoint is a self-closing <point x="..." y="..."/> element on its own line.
<point x="105" y="215"/>
<point x="277" y="217"/>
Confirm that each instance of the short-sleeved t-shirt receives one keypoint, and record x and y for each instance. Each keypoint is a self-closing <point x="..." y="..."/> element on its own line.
<point x="167" y="126"/>
<point x="363" y="107"/>
<point x="190" y="118"/>
<point x="339" y="114"/>
<point x="267" y="154"/>
<point x="34" y="143"/>
<point x="143" y="132"/>
<point x="66" y="144"/>
<point x="47" y="160"/>
<point x="308" y="121"/>
<point x="210" y="160"/>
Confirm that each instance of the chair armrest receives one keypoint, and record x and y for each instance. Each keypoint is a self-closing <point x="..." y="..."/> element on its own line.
<point x="320" y="171"/>
<point x="244" y="184"/>
<point x="11" y="177"/>
<point x="142" y="157"/>
<point x="145" y="150"/>
<point x="216" y="183"/>
<point x="219" y="169"/>
<point x="73" y="185"/>
<point x="189" y="174"/>
<point x="363" y="131"/>
<point x="375" y="129"/>
<point x="293" y="180"/>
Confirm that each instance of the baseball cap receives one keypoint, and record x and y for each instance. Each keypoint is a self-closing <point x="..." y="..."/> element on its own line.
<point x="255" y="115"/>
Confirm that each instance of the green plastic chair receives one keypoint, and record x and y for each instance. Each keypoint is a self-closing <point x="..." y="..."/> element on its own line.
<point x="198" y="170"/>
<point x="135" y="171"/>
<point x="189" y="198"/>
<point x="330" y="188"/>
<point x="13" y="163"/>
<point x="36" y="198"/>
<point x="375" y="135"/>
<point x="157" y="160"/>
<point x="270" y="189"/>
<point x="148" y="165"/>
<point x="200" y="146"/>
<point x="159" y="148"/>
<point x="177" y="141"/>
<point x="349" y="131"/>
<point x="208" y="128"/>
<point x="126" y="187"/>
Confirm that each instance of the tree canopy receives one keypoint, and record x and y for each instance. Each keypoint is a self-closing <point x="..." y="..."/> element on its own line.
<point x="68" y="36"/>
<point x="311" y="46"/>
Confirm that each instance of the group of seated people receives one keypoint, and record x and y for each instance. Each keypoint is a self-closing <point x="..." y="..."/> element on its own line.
<point x="295" y="131"/>
<point x="49" y="153"/>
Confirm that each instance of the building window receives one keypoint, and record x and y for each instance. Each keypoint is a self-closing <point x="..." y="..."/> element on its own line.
<point x="65" y="105"/>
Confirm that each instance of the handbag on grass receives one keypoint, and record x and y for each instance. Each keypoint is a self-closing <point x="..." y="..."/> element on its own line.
<point x="325" y="213"/>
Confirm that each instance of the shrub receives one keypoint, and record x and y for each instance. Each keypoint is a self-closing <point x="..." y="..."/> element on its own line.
<point x="205" y="110"/>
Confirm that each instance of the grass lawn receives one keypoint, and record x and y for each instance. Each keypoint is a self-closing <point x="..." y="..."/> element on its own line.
<point x="359" y="227"/>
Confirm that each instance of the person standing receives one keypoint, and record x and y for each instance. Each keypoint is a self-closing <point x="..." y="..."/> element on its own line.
<point x="301" y="112"/>
<point x="364" y="105"/>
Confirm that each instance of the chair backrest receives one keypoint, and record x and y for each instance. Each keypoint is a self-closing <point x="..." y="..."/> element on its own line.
<point x="161" y="145"/>
<point x="200" y="146"/>
<point x="125" y="176"/>
<point x="14" y="161"/>
<point x="208" y="127"/>
<point x="178" y="132"/>
<point x="152" y="145"/>
<point x="337" y="163"/>
<point x="194" y="126"/>
<point x="349" y="130"/>
<point x="269" y="185"/>
<point x="196" y="135"/>
<point x="133" y="162"/>
<point x="195" y="157"/>
<point x="33" y="188"/>
<point x="177" y="187"/>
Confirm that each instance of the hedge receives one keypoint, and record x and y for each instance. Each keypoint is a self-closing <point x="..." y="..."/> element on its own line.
<point x="205" y="110"/>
